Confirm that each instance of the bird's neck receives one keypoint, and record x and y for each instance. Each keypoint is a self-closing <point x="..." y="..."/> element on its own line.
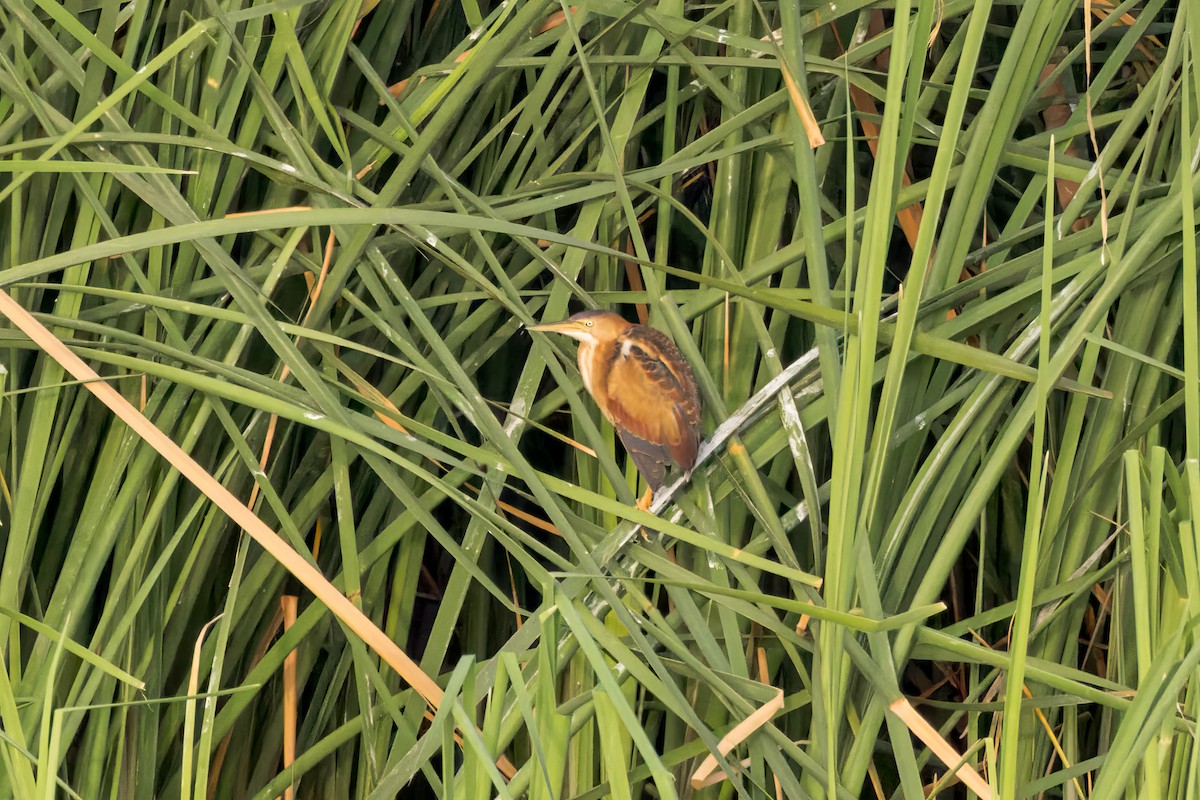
<point x="587" y="351"/>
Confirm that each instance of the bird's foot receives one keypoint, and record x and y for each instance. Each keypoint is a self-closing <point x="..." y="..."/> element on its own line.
<point x="644" y="503"/>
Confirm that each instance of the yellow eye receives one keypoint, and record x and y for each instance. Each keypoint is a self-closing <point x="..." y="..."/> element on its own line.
<point x="589" y="323"/>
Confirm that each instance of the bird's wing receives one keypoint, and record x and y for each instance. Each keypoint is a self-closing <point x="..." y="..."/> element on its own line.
<point x="652" y="395"/>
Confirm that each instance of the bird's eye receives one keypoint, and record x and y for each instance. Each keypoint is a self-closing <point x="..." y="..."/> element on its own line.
<point x="589" y="323"/>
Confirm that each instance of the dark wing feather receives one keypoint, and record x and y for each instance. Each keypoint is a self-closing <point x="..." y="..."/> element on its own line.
<point x="651" y="459"/>
<point x="653" y="401"/>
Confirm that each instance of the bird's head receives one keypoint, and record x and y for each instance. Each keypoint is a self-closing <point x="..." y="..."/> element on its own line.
<point x="590" y="327"/>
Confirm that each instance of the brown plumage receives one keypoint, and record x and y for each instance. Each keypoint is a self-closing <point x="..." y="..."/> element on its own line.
<point x="643" y="386"/>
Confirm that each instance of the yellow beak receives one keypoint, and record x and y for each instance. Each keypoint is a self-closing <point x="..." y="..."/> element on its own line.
<point x="564" y="326"/>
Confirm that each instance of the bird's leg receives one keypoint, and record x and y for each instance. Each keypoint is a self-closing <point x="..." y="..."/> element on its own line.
<point x="643" y="504"/>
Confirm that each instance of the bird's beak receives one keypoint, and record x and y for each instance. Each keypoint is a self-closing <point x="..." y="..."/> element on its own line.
<point x="565" y="326"/>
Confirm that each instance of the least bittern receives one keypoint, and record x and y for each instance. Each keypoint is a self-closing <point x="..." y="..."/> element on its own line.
<point x="643" y="386"/>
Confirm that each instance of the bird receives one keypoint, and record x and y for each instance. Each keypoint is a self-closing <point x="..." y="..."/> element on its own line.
<point x="644" y="388"/>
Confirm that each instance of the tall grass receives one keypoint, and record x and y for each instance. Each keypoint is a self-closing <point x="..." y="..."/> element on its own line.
<point x="933" y="263"/>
